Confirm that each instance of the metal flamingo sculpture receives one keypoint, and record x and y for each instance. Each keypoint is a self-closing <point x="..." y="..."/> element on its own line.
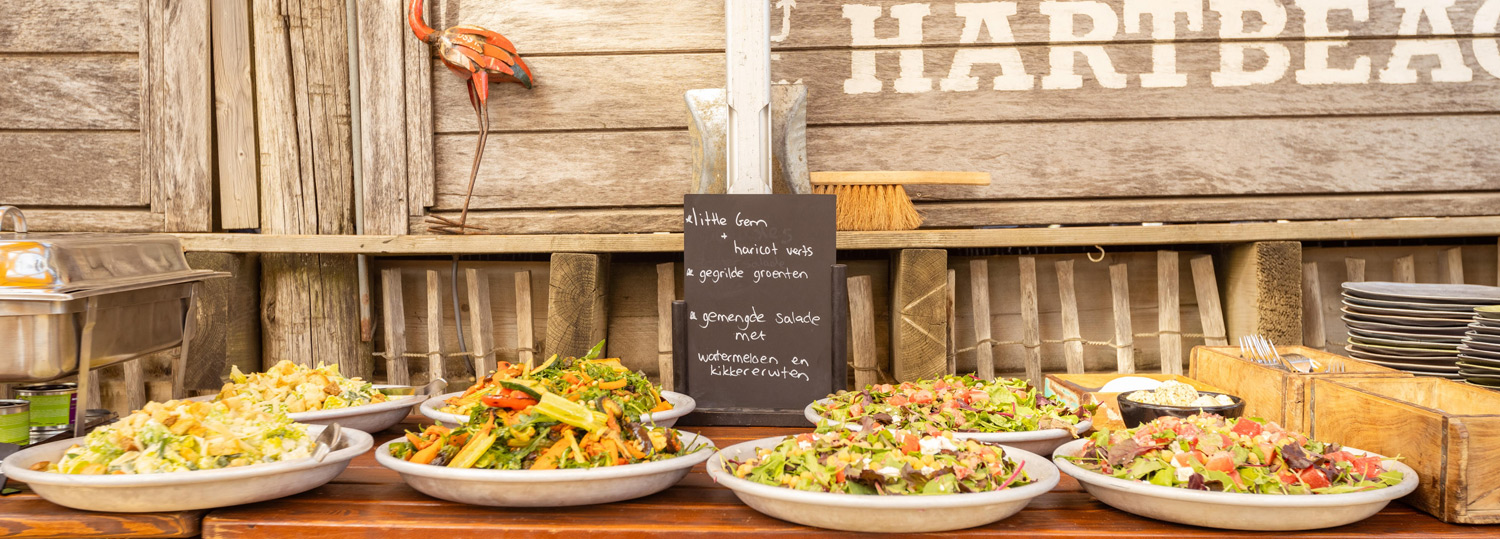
<point x="480" y="56"/>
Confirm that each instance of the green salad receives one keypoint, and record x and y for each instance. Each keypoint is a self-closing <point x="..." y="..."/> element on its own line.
<point x="881" y="461"/>
<point x="952" y="403"/>
<point x="1208" y="452"/>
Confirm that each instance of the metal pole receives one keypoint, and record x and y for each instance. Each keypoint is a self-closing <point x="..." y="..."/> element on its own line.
<point x="748" y="26"/>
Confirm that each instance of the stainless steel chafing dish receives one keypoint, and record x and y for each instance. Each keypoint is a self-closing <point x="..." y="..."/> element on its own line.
<point x="105" y="297"/>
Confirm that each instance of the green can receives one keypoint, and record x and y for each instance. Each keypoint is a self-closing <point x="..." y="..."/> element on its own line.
<point x="51" y="404"/>
<point x="15" y="422"/>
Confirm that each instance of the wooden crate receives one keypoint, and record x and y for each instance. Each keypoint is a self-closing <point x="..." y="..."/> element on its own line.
<point x="1448" y="432"/>
<point x="1270" y="393"/>
<point x="1079" y="389"/>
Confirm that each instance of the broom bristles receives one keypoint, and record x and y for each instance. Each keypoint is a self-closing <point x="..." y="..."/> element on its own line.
<point x="872" y="207"/>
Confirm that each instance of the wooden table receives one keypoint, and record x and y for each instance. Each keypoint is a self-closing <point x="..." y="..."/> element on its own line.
<point x="368" y="500"/>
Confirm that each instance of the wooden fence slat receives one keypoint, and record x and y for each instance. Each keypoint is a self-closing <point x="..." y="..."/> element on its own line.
<point x="234" y="115"/>
<point x="952" y="322"/>
<point x="1354" y="270"/>
<point x="135" y="384"/>
<point x="1169" y="312"/>
<point x="419" y="151"/>
<point x="70" y="93"/>
<point x="85" y="25"/>
<point x="1210" y="311"/>
<point x="182" y="130"/>
<point x="862" y="332"/>
<point x="1031" y="330"/>
<point x="382" y="110"/>
<point x="979" y="297"/>
<point x="1264" y="292"/>
<point x="1404" y="269"/>
<point x="481" y="322"/>
<point x="1451" y="265"/>
<point x="577" y="303"/>
<point x="395" y="327"/>
<point x="73" y="169"/>
<point x="918" y="301"/>
<point x="1119" y="287"/>
<point x="1313" y="335"/>
<point x="525" y="340"/>
<point x="1068" y="297"/>
<point x="434" y="327"/>
<point x="666" y="293"/>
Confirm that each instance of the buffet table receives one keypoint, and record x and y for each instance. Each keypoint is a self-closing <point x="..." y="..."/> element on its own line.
<point x="371" y="501"/>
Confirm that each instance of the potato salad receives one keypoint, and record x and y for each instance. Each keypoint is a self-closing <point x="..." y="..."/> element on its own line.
<point x="177" y="436"/>
<point x="291" y="388"/>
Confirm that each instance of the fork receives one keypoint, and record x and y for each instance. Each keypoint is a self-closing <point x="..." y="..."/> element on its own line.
<point x="1266" y="352"/>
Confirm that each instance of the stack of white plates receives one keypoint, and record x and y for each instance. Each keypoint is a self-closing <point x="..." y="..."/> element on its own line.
<point x="1479" y="355"/>
<point x="1417" y="328"/>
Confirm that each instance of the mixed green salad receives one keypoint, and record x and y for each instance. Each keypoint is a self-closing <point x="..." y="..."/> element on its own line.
<point x="181" y="435"/>
<point x="585" y="379"/>
<point x="1208" y="452"/>
<point x="881" y="461"/>
<point x="952" y="403"/>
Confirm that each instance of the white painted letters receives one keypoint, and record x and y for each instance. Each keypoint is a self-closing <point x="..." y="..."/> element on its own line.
<point x="1315" y="69"/>
<point x="909" y="17"/>
<point x="1487" y="51"/>
<point x="1451" y="66"/>
<point x="995" y="17"/>
<point x="1106" y="24"/>
<point x="1163" y="28"/>
<point x="1232" y="55"/>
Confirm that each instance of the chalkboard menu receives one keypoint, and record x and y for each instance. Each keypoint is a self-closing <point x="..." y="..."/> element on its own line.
<point x="758" y="287"/>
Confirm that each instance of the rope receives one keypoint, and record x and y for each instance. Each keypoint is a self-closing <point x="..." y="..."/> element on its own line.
<point x="1109" y="344"/>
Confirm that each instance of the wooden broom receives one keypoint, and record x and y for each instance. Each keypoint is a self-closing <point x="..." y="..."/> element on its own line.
<point x="877" y="200"/>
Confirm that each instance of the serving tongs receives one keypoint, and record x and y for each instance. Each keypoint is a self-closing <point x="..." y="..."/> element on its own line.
<point x="432" y="388"/>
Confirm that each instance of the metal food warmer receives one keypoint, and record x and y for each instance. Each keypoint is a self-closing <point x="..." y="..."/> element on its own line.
<point x="74" y="302"/>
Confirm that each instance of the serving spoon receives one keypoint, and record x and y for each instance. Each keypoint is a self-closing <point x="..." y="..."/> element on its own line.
<point x="326" y="440"/>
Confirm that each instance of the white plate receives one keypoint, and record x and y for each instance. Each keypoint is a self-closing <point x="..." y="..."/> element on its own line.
<point x="1041" y="442"/>
<point x="181" y="491"/>
<point x="547" y="488"/>
<point x="889" y="514"/>
<point x="1429" y="293"/>
<point x="681" y="405"/>
<point x="366" y="417"/>
<point x="1236" y="511"/>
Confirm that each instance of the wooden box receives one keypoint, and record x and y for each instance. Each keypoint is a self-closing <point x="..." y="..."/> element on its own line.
<point x="1449" y="432"/>
<point x="1270" y="393"/>
<point x="1079" y="389"/>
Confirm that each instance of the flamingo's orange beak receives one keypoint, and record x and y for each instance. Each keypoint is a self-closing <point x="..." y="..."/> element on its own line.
<point x="418" y="26"/>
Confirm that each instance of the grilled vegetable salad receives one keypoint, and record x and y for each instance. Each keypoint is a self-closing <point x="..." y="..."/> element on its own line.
<point x="177" y="436"/>
<point x="295" y="388"/>
<point x="952" y="403"/>
<point x="882" y="461"/>
<point x="1207" y="452"/>
<point x="585" y="379"/>
<point x="550" y="432"/>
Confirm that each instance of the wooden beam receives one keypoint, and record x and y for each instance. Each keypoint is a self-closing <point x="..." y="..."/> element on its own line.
<point x="234" y="115"/>
<point x="382" y="113"/>
<point x="1068" y="298"/>
<point x="525" y="339"/>
<point x="1031" y="330"/>
<point x="392" y="309"/>
<point x="577" y="303"/>
<point x="1119" y="288"/>
<point x="1354" y="270"/>
<point x="1210" y="310"/>
<point x="1404" y="269"/>
<point x="945" y="239"/>
<point x="666" y="293"/>
<point x="1313" y="335"/>
<point x="481" y="321"/>
<point x="434" y="326"/>
<point x="979" y="299"/>
<point x="1451" y="265"/>
<point x="862" y="332"/>
<point x="1263" y="291"/>
<point x="1169" y="312"/>
<point x="918" y="304"/>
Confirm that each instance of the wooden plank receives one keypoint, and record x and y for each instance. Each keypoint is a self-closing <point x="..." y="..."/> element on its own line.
<point x="979" y="282"/>
<point x="417" y="60"/>
<point x="85" y="26"/>
<point x="135" y="385"/>
<point x="1119" y="286"/>
<point x="1067" y="297"/>
<point x="382" y="114"/>
<point x="577" y="303"/>
<point x="234" y="115"/>
<point x="310" y="312"/>
<point x="392" y="310"/>
<point x="1169" y="321"/>
<point x="180" y="130"/>
<point x="862" y="332"/>
<point x="435" y="327"/>
<point x="481" y="320"/>
<point x="666" y="293"/>
<point x="227" y="321"/>
<point x="1451" y="265"/>
<point x="1313" y="334"/>
<point x="1031" y="332"/>
<point x="525" y="341"/>
<point x="1263" y="291"/>
<point x="952" y="322"/>
<point x="1354" y="270"/>
<point x="918" y="304"/>
<point x="72" y="92"/>
<point x="1403" y="270"/>
<point x="100" y="169"/>
<point x="554" y="27"/>
<point x="1206" y="287"/>
<point x="93" y="220"/>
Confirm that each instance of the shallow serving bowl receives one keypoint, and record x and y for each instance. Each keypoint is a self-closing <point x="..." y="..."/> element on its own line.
<point x="182" y="491"/>
<point x="1041" y="442"/>
<point x="873" y="513"/>
<point x="1235" y="511"/>
<point x="1134" y="414"/>
<point x="547" y="488"/>
<point x="366" y="417"/>
<point x="681" y="405"/>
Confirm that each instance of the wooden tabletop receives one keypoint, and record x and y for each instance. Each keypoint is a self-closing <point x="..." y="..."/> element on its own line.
<point x="368" y="500"/>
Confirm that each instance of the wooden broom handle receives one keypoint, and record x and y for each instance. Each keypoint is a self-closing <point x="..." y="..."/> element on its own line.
<point x="913" y="177"/>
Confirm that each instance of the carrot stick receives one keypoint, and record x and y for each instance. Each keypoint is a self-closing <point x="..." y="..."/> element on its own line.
<point x="617" y="384"/>
<point x="426" y="455"/>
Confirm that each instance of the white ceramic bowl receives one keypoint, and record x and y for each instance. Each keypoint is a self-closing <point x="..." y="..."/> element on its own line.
<point x="893" y="514"/>
<point x="547" y="488"/>
<point x="681" y="405"/>
<point x="182" y="491"/>
<point x="1041" y="442"/>
<point x="1236" y="511"/>
<point x="366" y="417"/>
